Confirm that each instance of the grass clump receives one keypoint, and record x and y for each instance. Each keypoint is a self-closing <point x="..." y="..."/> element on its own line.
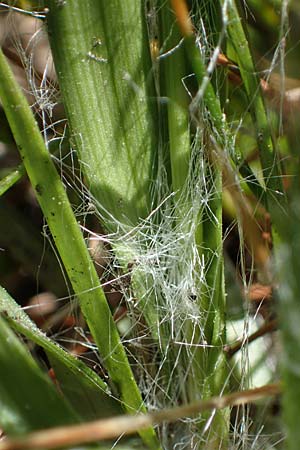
<point x="165" y="151"/>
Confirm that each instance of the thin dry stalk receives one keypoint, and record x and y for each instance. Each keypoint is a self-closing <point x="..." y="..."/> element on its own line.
<point x="125" y="425"/>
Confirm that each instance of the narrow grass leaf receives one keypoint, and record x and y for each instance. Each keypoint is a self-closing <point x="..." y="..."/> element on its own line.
<point x="268" y="155"/>
<point x="88" y="393"/>
<point x="288" y="267"/>
<point x="69" y="241"/>
<point x="29" y="400"/>
<point x="11" y="179"/>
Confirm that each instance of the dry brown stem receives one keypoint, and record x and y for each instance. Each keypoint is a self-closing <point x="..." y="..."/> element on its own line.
<point x="124" y="425"/>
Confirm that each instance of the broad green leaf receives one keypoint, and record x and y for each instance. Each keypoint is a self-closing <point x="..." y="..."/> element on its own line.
<point x="102" y="58"/>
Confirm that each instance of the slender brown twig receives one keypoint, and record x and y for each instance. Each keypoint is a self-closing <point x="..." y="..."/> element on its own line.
<point x="267" y="327"/>
<point x="127" y="424"/>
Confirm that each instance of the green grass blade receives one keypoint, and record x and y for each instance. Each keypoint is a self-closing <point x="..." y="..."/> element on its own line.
<point x="87" y="393"/>
<point x="103" y="63"/>
<point x="173" y="67"/>
<point x="29" y="400"/>
<point x="288" y="269"/>
<point x="11" y="178"/>
<point x="212" y="298"/>
<point x="212" y="229"/>
<point x="268" y="154"/>
<point x="69" y="241"/>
